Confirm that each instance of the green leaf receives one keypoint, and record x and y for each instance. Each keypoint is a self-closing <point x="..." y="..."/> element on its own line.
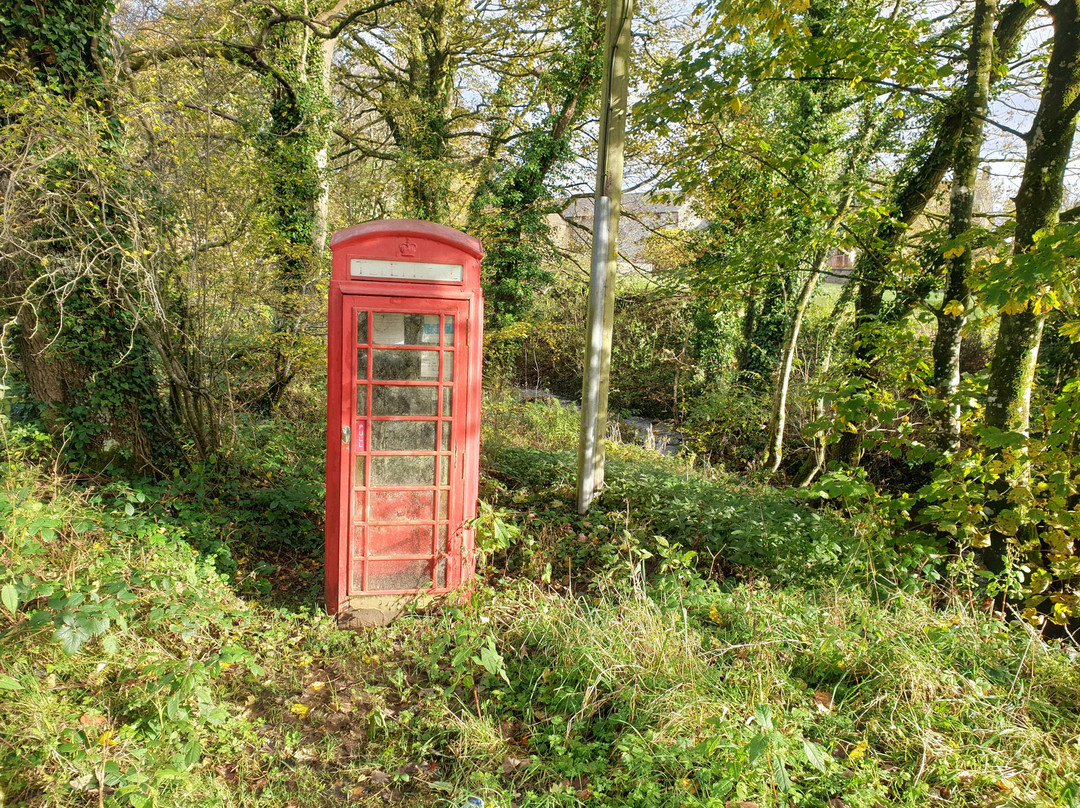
<point x="9" y="595"/>
<point x="757" y="746"/>
<point x="172" y="707"/>
<point x="780" y="775"/>
<point x="815" y="754"/>
<point x="97" y="625"/>
<point x="492" y="661"/>
<point x="9" y="683"/>
<point x="71" y="636"/>
<point x="192" y="753"/>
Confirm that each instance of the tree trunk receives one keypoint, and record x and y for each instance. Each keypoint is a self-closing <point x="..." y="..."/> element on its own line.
<point x="76" y="343"/>
<point x="1038" y="204"/>
<point x="816" y="461"/>
<point x="1012" y="371"/>
<point x="294" y="154"/>
<point x="746" y="330"/>
<point x="322" y="158"/>
<point x="917" y="182"/>
<point x="957" y="299"/>
<point x="97" y="384"/>
<point x="774" y="448"/>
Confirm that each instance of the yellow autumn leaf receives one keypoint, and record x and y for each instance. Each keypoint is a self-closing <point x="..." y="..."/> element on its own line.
<point x="859" y="752"/>
<point x="1071" y="330"/>
<point x="300" y="709"/>
<point x="1044" y="303"/>
<point x="955" y="252"/>
<point x="954" y="308"/>
<point x="317" y="685"/>
<point x="735" y="103"/>
<point x="1014" y="307"/>
<point x="107" y="738"/>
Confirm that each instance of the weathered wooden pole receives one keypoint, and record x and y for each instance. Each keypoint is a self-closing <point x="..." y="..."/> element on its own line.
<point x="606" y="209"/>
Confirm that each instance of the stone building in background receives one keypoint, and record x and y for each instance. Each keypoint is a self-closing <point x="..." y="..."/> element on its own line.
<point x="641" y="217"/>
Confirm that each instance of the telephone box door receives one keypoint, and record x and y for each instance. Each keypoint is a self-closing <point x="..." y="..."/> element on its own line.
<point x="407" y="367"/>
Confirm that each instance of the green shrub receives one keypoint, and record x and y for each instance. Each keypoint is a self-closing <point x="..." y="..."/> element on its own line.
<point x="665" y="347"/>
<point x="114" y="632"/>
<point x="729" y="425"/>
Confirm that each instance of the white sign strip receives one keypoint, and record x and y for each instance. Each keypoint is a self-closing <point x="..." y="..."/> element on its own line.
<point x="405" y="270"/>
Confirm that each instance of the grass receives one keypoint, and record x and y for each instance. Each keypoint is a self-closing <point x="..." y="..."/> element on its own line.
<point x="695" y="641"/>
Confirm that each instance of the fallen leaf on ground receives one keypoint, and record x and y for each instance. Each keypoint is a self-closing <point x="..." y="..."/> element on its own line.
<point x="513" y="764"/>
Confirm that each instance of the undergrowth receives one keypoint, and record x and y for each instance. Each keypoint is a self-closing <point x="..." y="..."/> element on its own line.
<point x="693" y="641"/>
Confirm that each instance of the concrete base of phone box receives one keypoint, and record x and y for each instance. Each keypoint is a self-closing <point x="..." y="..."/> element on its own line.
<point x="362" y="611"/>
<point x="373" y="610"/>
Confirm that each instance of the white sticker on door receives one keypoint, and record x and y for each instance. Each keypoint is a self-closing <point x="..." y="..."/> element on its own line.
<point x="388" y="328"/>
<point x="429" y="364"/>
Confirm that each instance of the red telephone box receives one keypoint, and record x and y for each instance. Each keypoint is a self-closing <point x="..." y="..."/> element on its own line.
<point x="403" y="414"/>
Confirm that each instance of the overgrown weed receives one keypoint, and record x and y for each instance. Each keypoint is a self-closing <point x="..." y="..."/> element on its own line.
<point x="723" y="642"/>
<point x="690" y="642"/>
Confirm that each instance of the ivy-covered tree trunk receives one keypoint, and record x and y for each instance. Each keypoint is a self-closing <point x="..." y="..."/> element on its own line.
<point x="1038" y="205"/>
<point x="294" y="149"/>
<point x="747" y="327"/>
<point x="765" y="321"/>
<point x="78" y="344"/>
<point x="507" y="211"/>
<point x="915" y="185"/>
<point x="952" y="316"/>
<point x="418" y="111"/>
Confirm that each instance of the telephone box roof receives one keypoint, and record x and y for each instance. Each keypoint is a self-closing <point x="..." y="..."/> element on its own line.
<point x="411" y="227"/>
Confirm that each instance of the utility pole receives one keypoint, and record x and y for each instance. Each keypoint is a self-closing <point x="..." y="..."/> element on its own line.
<point x="606" y="210"/>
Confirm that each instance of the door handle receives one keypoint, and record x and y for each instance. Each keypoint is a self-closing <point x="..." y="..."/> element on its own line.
<point x="346" y="435"/>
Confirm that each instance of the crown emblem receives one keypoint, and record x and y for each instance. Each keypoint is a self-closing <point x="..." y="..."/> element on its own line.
<point x="407" y="248"/>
